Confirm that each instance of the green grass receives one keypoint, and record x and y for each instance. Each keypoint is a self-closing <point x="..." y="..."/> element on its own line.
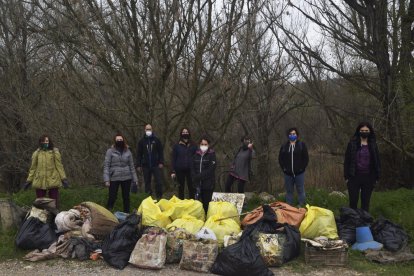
<point x="395" y="205"/>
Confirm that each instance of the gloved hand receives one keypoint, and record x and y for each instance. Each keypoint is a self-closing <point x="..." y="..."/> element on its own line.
<point x="65" y="183"/>
<point x="26" y="185"/>
<point x="134" y="187"/>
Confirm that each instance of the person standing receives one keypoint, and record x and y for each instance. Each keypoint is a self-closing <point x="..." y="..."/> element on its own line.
<point x="119" y="170"/>
<point x="293" y="160"/>
<point x="46" y="172"/>
<point x="203" y="172"/>
<point x="150" y="160"/>
<point x="241" y="166"/>
<point x="362" y="166"/>
<point x="182" y="157"/>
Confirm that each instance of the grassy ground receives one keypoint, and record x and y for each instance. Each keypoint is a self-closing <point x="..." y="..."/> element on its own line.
<point x="395" y="205"/>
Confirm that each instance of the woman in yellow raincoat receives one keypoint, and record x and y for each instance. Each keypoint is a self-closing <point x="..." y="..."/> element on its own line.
<point x="46" y="173"/>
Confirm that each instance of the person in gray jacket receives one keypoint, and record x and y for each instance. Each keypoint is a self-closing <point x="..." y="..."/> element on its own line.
<point x="241" y="166"/>
<point x="119" y="170"/>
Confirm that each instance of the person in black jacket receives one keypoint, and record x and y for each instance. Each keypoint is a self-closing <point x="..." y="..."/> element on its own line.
<point x="150" y="160"/>
<point x="203" y="172"/>
<point x="182" y="158"/>
<point x="293" y="159"/>
<point x="362" y="166"/>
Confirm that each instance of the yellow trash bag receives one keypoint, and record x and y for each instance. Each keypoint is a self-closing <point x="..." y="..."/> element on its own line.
<point x="224" y="210"/>
<point x="223" y="227"/>
<point x="318" y="222"/>
<point x="152" y="214"/>
<point x="189" y="223"/>
<point x="189" y="207"/>
<point x="165" y="205"/>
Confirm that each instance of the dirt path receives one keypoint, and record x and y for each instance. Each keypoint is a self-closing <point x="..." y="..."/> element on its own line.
<point x="73" y="267"/>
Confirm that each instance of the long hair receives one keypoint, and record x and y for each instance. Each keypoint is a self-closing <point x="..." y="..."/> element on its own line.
<point x="357" y="135"/>
<point x="189" y="132"/>
<point x="42" y="139"/>
<point x="123" y="137"/>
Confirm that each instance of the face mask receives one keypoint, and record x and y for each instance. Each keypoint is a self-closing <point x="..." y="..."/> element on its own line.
<point x="185" y="136"/>
<point x="148" y="133"/>
<point x="203" y="148"/>
<point x="293" y="137"/>
<point x="119" y="144"/>
<point x="45" y="146"/>
<point x="364" y="134"/>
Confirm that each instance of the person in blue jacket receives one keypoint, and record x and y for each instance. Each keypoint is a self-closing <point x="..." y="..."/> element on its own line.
<point x="181" y="161"/>
<point x="150" y="160"/>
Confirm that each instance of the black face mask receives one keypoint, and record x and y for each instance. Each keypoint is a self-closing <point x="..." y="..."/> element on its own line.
<point x="185" y="136"/>
<point x="245" y="146"/>
<point x="364" y="134"/>
<point x="119" y="144"/>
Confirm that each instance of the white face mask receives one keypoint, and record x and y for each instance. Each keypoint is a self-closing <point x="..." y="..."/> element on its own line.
<point x="148" y="133"/>
<point x="203" y="148"/>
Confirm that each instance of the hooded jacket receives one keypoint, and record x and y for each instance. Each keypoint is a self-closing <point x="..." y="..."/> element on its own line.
<point x="46" y="170"/>
<point x="150" y="152"/>
<point x="299" y="153"/>
<point x="119" y="165"/>
<point x="351" y="152"/>
<point x="203" y="169"/>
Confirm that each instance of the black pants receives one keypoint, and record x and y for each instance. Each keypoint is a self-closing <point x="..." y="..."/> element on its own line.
<point x="205" y="197"/>
<point x="229" y="183"/>
<point x="113" y="193"/>
<point x="182" y="175"/>
<point x="365" y="184"/>
<point x="148" y="172"/>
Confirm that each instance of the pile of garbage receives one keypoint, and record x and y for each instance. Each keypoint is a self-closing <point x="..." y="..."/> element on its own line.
<point x="179" y="231"/>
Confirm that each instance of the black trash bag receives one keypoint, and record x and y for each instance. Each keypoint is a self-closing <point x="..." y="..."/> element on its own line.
<point x="355" y="217"/>
<point x="241" y="259"/>
<point x="349" y="220"/>
<point x="365" y="218"/>
<point x="291" y="248"/>
<point x="118" y="246"/>
<point x="268" y="224"/>
<point x="81" y="248"/>
<point x="391" y="235"/>
<point x="346" y="232"/>
<point x="34" y="234"/>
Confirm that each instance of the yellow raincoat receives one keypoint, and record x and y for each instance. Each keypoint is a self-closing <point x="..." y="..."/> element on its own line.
<point x="46" y="171"/>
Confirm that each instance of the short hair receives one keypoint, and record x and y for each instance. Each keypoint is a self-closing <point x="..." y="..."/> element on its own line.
<point x="244" y="137"/>
<point x="292" y="129"/>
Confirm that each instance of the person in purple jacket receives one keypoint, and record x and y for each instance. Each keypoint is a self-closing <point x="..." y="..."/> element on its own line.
<point x="362" y="166"/>
<point x="182" y="160"/>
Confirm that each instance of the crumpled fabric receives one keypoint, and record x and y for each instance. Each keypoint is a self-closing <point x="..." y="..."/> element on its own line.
<point x="45" y="254"/>
<point x="386" y="257"/>
<point x="326" y="244"/>
<point x="73" y="247"/>
<point x="68" y="220"/>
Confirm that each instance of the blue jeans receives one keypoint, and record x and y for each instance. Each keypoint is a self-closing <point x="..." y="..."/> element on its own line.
<point x="299" y="182"/>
